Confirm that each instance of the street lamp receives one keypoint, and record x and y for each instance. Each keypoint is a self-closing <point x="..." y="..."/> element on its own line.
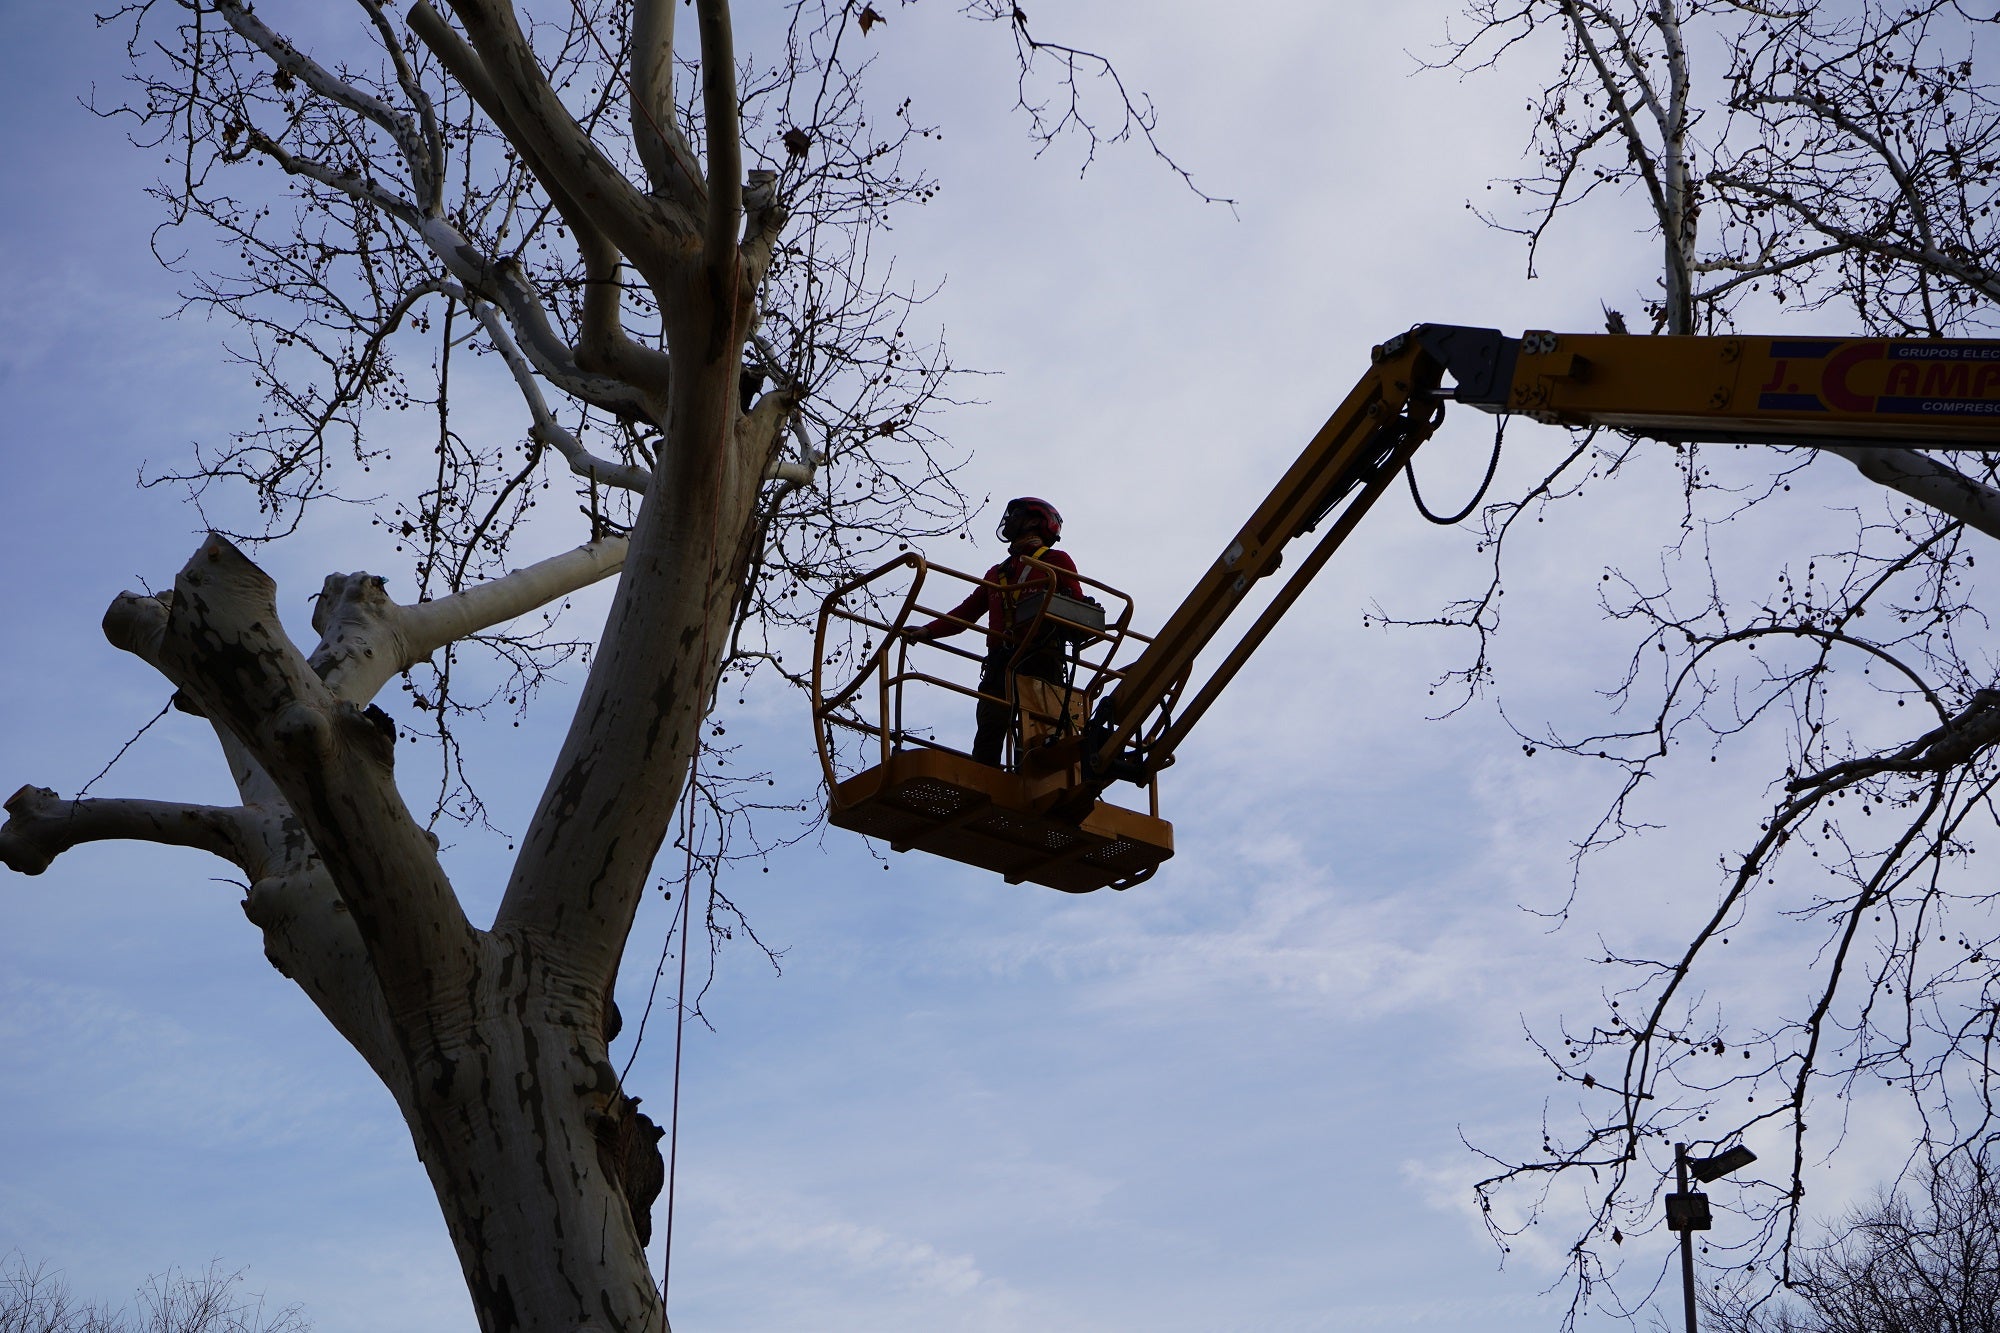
<point x="1687" y="1210"/>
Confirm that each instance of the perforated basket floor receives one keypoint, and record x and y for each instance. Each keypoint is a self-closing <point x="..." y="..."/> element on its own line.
<point x="945" y="804"/>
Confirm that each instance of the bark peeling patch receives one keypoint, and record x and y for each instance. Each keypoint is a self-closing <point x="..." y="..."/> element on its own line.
<point x="570" y="791"/>
<point x="665" y="695"/>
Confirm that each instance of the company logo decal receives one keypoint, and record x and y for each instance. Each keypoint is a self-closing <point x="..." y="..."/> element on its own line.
<point x="1883" y="377"/>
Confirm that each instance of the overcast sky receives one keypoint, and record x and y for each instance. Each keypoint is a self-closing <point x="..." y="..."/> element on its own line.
<point x="1232" y="1099"/>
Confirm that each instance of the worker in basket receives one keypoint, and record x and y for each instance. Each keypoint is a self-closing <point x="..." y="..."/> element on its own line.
<point x="1018" y="674"/>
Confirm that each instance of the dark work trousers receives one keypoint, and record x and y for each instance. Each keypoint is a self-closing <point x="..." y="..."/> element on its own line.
<point x="995" y="718"/>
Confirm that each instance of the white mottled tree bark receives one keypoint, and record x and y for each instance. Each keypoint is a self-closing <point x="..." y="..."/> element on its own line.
<point x="494" y="1041"/>
<point x="443" y="1012"/>
<point x="1928" y="481"/>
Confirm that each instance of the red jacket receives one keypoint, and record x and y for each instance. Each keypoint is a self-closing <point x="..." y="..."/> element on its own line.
<point x="1015" y="580"/>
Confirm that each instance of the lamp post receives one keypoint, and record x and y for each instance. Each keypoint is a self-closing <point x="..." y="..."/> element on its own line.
<point x="1687" y="1210"/>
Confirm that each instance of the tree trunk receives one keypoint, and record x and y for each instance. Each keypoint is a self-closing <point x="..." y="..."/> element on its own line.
<point x="493" y="1043"/>
<point x="532" y="1151"/>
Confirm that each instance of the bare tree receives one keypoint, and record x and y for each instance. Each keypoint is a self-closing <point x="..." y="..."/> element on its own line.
<point x="1842" y="159"/>
<point x="34" y="1300"/>
<point x="664" y="250"/>
<point x="1895" y="1266"/>
<point x="1844" y="155"/>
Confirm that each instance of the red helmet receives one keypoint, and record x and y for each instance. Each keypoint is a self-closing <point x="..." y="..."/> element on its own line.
<point x="1026" y="512"/>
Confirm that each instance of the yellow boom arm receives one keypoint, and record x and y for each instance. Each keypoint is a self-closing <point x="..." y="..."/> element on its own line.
<point x="1917" y="393"/>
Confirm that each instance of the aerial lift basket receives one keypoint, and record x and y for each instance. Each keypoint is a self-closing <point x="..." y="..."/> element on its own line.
<point x="893" y="716"/>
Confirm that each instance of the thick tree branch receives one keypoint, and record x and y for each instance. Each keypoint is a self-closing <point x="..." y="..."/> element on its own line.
<point x="766" y="215"/>
<point x="429" y="626"/>
<point x="366" y="639"/>
<point x="506" y="286"/>
<point x="349" y="183"/>
<point x="637" y="383"/>
<point x="1749" y="271"/>
<point x="546" y="429"/>
<point x="138" y="625"/>
<point x="602" y="346"/>
<point x="1922" y="477"/>
<point x="218" y="640"/>
<point x="42" y="826"/>
<point x="557" y="149"/>
<point x="723" y="219"/>
<point x="1973" y="729"/>
<point x="1640" y="152"/>
<point x="1676" y="225"/>
<point x="411" y="141"/>
<point x="465" y="66"/>
<point x="669" y="160"/>
<point x="760" y="432"/>
<point x="309" y="934"/>
<point x="311" y="937"/>
<point x="431" y="188"/>
<point x="1636" y="63"/>
<point x="1898" y="170"/>
<point x="1984" y="281"/>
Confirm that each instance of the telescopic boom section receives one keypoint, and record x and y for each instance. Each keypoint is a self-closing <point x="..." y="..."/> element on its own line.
<point x="1916" y="393"/>
<point x="1919" y="393"/>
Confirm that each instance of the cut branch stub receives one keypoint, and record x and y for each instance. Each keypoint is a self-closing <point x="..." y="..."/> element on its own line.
<point x="136" y="622"/>
<point x="18" y="849"/>
<point x="361" y="644"/>
<point x="223" y="645"/>
<point x="221" y="642"/>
